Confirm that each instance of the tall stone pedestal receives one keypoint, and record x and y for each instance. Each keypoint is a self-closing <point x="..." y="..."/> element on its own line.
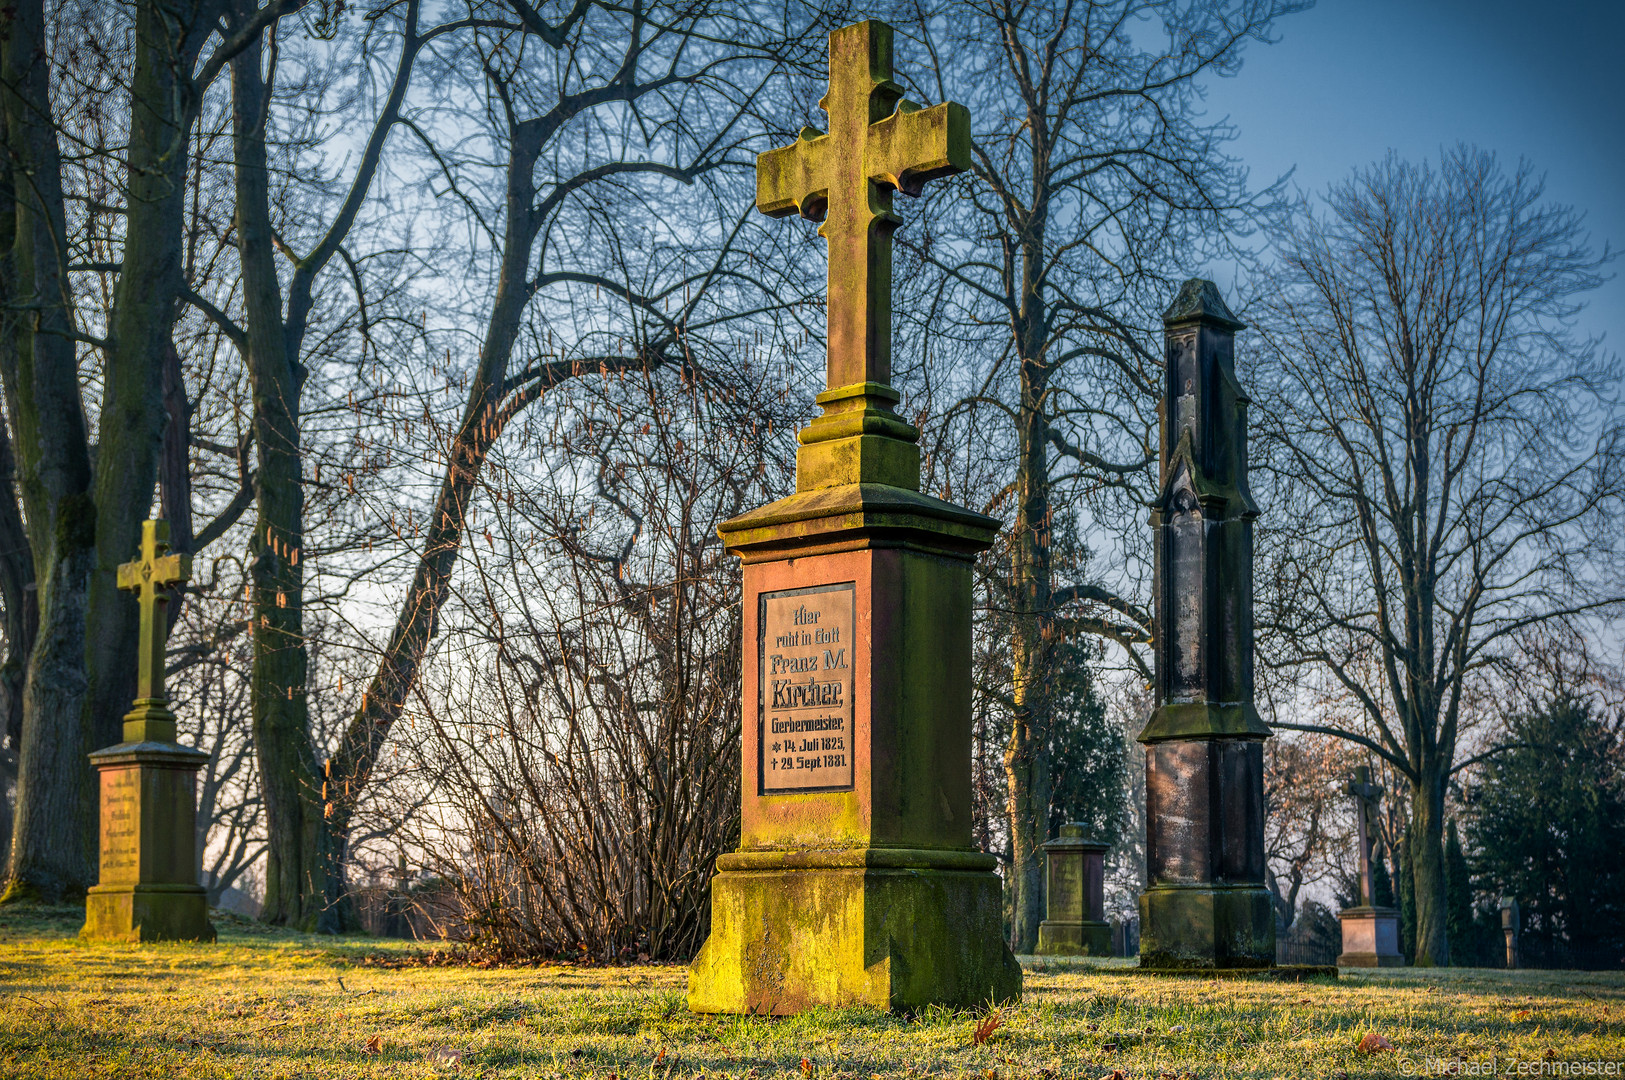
<point x="148" y="889"/>
<point x="1370" y="937"/>
<point x="856" y="881"/>
<point x="1074" y="897"/>
<point x="1207" y="905"/>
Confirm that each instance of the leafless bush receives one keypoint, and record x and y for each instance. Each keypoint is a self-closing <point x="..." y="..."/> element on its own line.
<point x="578" y="732"/>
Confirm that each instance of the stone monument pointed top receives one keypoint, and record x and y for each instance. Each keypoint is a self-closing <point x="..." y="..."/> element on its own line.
<point x="1199" y="301"/>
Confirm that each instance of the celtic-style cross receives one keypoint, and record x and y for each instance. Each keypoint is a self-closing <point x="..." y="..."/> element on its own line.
<point x="148" y="577"/>
<point x="877" y="142"/>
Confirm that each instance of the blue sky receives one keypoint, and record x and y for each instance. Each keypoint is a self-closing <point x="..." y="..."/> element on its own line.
<point x="1539" y="79"/>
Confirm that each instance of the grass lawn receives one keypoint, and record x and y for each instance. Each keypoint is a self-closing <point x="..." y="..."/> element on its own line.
<point x="272" y="1004"/>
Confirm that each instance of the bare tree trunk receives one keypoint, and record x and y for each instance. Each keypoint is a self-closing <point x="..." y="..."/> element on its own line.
<point x="130" y="429"/>
<point x="1028" y="767"/>
<point x="1426" y="850"/>
<point x="17" y="593"/>
<point x="298" y="859"/>
<point x="54" y="837"/>
<point x="483" y="418"/>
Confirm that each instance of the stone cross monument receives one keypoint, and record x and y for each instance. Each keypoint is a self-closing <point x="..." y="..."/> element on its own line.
<point x="1370" y="933"/>
<point x="148" y="888"/>
<point x="1206" y="905"/>
<point x="856" y="881"/>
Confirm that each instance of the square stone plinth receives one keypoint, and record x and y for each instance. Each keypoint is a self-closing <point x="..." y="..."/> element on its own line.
<point x="1074" y="938"/>
<point x="148" y="888"/>
<point x="892" y="929"/>
<point x="1183" y="927"/>
<point x="1370" y="937"/>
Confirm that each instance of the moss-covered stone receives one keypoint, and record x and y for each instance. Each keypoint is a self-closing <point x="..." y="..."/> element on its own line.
<point x="785" y="938"/>
<point x="1206" y="927"/>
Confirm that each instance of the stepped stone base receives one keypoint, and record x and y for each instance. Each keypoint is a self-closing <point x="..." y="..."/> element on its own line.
<point x="1057" y="938"/>
<point x="147" y="913"/>
<point x="1370" y="937"/>
<point x="1206" y="927"/>
<point x="896" y="929"/>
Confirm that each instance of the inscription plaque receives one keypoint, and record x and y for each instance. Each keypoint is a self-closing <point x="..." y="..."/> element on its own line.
<point x="805" y="683"/>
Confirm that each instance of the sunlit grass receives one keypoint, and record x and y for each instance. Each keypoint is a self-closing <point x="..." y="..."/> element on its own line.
<point x="273" y="1004"/>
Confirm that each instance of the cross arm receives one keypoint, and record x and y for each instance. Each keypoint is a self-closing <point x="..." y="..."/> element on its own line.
<point x="792" y="179"/>
<point x="171" y="568"/>
<point x="915" y="145"/>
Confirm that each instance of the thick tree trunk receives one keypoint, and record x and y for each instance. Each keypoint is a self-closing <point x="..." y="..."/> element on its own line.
<point x="1425" y="847"/>
<point x="18" y="594"/>
<point x="131" y="425"/>
<point x="299" y="861"/>
<point x="1028" y="768"/>
<point x="54" y="831"/>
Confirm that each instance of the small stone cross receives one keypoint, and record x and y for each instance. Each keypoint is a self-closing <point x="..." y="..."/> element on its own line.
<point x="1361" y="787"/>
<point x="877" y="142"/>
<point x="148" y="577"/>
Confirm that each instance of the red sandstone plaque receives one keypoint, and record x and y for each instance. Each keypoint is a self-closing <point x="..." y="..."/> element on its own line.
<point x="804" y="715"/>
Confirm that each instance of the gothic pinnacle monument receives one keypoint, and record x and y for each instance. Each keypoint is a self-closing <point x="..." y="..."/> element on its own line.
<point x="856" y="880"/>
<point x="148" y="888"/>
<point x="1206" y="905"/>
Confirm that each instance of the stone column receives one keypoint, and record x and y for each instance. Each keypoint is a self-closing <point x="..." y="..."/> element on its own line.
<point x="1206" y="905"/>
<point x="1509" y="929"/>
<point x="1075" y="900"/>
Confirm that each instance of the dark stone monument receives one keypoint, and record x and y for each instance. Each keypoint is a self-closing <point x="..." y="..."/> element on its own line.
<point x="1075" y="898"/>
<point x="148" y="888"/>
<point x="1370" y="933"/>
<point x="1206" y="905"/>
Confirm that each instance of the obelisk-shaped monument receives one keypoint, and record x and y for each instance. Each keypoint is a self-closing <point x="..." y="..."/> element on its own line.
<point x="1206" y="905"/>
<point x="148" y="888"/>
<point x="856" y="880"/>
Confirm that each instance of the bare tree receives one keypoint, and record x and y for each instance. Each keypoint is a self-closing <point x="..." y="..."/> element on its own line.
<point x="125" y="181"/>
<point x="1442" y="465"/>
<point x="1096" y="186"/>
<point x="581" y="731"/>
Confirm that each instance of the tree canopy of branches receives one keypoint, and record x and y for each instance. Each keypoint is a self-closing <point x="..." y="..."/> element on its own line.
<point x="1096" y="186"/>
<point x="1441" y="468"/>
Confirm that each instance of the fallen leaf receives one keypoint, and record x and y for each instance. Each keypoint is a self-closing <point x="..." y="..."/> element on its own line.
<point x="1372" y="1043"/>
<point x="1520" y="1014"/>
<point x="1340" y="1075"/>
<point x="1175" y="1030"/>
<point x="806" y="1067"/>
<point x="1116" y="1074"/>
<point x="1110" y="1048"/>
<point x="1550" y="1055"/>
<point x="984" y="1031"/>
<point x="375" y="1045"/>
<point x="660" y="1056"/>
<point x="446" y="1055"/>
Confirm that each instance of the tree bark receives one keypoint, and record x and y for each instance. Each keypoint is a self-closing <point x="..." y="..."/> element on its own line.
<point x="298" y="857"/>
<point x="1426" y="851"/>
<point x="54" y="831"/>
<point x="130" y="428"/>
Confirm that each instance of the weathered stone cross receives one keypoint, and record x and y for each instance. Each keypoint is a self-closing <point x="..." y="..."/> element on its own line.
<point x="1361" y="787"/>
<point x="148" y="577"/>
<point x="877" y="142"/>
